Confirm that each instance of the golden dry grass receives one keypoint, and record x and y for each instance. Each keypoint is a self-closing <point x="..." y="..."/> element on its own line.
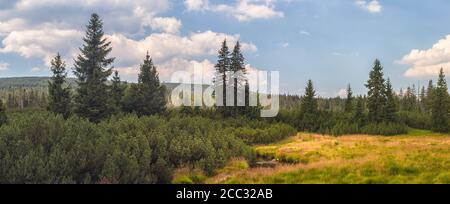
<point x="312" y="158"/>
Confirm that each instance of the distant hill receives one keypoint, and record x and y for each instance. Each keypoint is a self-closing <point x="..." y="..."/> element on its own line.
<point x="42" y="82"/>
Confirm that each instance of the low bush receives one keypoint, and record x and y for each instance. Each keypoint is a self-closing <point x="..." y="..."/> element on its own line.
<point x="272" y="133"/>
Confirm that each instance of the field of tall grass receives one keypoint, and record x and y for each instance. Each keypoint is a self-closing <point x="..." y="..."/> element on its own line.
<point x="419" y="157"/>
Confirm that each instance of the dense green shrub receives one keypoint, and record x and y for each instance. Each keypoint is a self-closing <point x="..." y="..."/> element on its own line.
<point x="415" y="119"/>
<point x="271" y="133"/>
<point x="39" y="147"/>
<point x="386" y="129"/>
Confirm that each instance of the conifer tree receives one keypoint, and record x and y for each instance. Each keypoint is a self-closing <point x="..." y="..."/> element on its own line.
<point x="440" y="108"/>
<point x="220" y="78"/>
<point x="237" y="66"/>
<point x="148" y="96"/>
<point x="117" y="91"/>
<point x="376" y="99"/>
<point x="92" y="69"/>
<point x="58" y="95"/>
<point x="309" y="108"/>
<point x="390" y="107"/>
<point x="349" y="101"/>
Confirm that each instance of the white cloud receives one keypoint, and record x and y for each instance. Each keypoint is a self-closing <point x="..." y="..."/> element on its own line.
<point x="342" y="93"/>
<point x="164" y="46"/>
<point x="43" y="43"/>
<point x="168" y="25"/>
<point x="242" y="10"/>
<point x="373" y="6"/>
<point x="284" y="44"/>
<point x="36" y="69"/>
<point x="4" y="66"/>
<point x="428" y="62"/>
<point x="305" y="33"/>
<point x="26" y="31"/>
<point x="196" y="5"/>
<point x="130" y="17"/>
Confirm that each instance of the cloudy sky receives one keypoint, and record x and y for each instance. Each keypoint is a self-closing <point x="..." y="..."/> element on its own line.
<point x="332" y="42"/>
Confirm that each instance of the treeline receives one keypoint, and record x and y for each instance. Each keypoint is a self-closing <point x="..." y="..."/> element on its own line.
<point x="22" y="98"/>
<point x="381" y="111"/>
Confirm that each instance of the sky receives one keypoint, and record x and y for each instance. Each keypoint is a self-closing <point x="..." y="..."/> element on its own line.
<point x="332" y="42"/>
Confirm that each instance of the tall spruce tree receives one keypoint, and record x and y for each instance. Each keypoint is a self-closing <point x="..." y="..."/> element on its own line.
<point x="349" y="101"/>
<point x="58" y="94"/>
<point x="92" y="69"/>
<point x="390" y="107"/>
<point x="376" y="99"/>
<point x="440" y="109"/>
<point x="148" y="96"/>
<point x="237" y="66"/>
<point x="220" y="78"/>
<point x="309" y="108"/>
<point x="117" y="91"/>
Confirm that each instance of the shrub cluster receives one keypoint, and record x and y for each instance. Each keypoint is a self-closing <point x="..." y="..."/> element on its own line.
<point x="40" y="147"/>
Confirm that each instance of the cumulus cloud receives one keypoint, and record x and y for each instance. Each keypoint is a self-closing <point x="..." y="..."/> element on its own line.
<point x="42" y="43"/>
<point x="428" y="62"/>
<point x="342" y="93"/>
<point x="196" y="5"/>
<point x="25" y="31"/>
<point x="130" y="17"/>
<point x="373" y="6"/>
<point x="4" y="66"/>
<point x="242" y="10"/>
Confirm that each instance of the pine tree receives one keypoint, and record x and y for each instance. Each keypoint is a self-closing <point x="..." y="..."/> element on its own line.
<point x="440" y="108"/>
<point x="58" y="95"/>
<point x="390" y="107"/>
<point x="117" y="91"/>
<point x="3" y="116"/>
<point x="309" y="108"/>
<point x="349" y="101"/>
<point x="237" y="66"/>
<point x="148" y="96"/>
<point x="92" y="69"/>
<point x="220" y="78"/>
<point x="376" y="99"/>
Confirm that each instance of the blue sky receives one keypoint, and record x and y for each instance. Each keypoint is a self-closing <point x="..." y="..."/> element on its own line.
<point x="332" y="42"/>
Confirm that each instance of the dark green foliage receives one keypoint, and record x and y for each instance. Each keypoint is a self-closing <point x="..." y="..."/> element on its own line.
<point x="376" y="99"/>
<point x="92" y="69"/>
<point x="390" y="107"/>
<point x="58" y="93"/>
<point x="117" y="91"/>
<point x="308" y="110"/>
<point x="39" y="147"/>
<point x="358" y="115"/>
<point x="220" y="78"/>
<point x="415" y="119"/>
<point x="349" y="101"/>
<point x="147" y="97"/>
<point x="3" y="116"/>
<point x="387" y="129"/>
<point x="440" y="105"/>
<point x="268" y="134"/>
